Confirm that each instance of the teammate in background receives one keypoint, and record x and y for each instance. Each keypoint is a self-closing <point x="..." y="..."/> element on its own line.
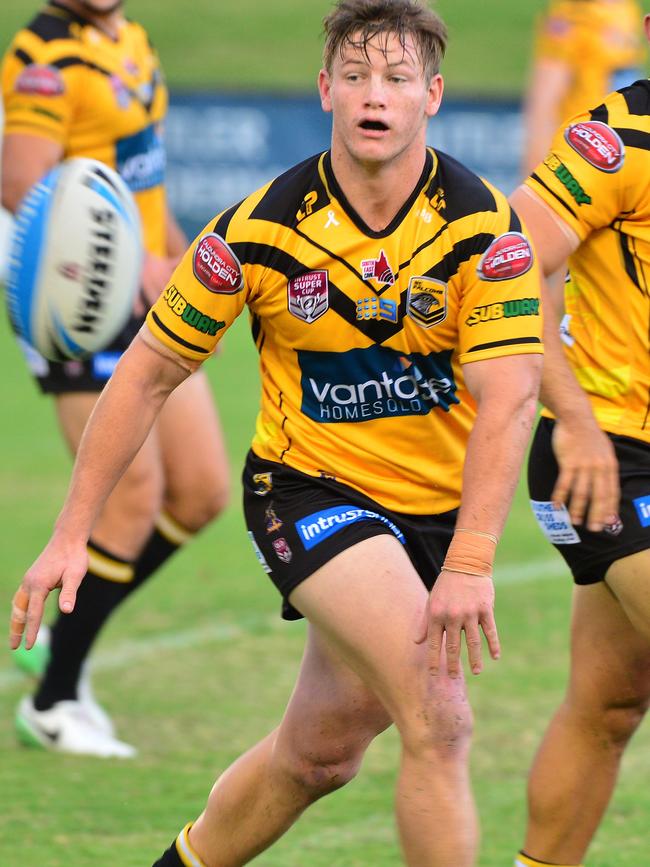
<point x="583" y="50"/>
<point x="81" y="80"/>
<point x="589" y="201"/>
<point x="378" y="276"/>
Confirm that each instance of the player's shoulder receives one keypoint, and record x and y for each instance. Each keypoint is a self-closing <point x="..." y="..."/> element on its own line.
<point x="286" y="200"/>
<point x="52" y="33"/>
<point x="462" y="191"/>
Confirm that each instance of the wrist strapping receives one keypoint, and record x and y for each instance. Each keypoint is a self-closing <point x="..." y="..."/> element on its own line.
<point x="473" y="555"/>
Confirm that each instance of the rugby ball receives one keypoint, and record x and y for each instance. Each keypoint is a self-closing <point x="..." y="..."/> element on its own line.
<point x="74" y="260"/>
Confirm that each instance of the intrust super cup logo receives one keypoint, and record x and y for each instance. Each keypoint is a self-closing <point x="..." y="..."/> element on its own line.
<point x="508" y="256"/>
<point x="216" y="266"/>
<point x="597" y="143"/>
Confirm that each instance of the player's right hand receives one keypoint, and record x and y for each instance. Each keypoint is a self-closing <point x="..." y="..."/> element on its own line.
<point x="588" y="478"/>
<point x="61" y="564"/>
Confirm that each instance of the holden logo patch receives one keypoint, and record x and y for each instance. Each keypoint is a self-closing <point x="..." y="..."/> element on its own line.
<point x="508" y="256"/>
<point x="426" y="301"/>
<point x="216" y="266"/>
<point x="40" y="81"/>
<point x="378" y="269"/>
<point x="597" y="143"/>
<point x="308" y="295"/>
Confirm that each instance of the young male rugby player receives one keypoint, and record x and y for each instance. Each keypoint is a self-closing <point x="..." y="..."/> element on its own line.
<point x="395" y="307"/>
<point x="589" y="201"/>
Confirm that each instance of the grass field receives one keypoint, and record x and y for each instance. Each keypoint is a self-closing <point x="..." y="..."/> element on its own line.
<point x="199" y="665"/>
<point x="276" y="46"/>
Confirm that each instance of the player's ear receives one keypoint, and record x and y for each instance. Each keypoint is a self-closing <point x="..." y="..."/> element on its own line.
<point x="436" y="89"/>
<point x="324" y="88"/>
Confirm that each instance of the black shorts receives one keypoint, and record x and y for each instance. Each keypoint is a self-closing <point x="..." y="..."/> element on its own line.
<point x="91" y="374"/>
<point x="297" y="523"/>
<point x="589" y="555"/>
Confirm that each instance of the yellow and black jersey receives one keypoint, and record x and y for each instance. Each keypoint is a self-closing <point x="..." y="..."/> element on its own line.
<point x="98" y="97"/>
<point x="601" y="43"/>
<point x="362" y="334"/>
<point x="595" y="180"/>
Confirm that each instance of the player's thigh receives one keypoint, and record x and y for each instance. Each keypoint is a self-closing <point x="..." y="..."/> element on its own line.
<point x="368" y="603"/>
<point x="331" y="717"/>
<point x="193" y="448"/>
<point x="629" y="579"/>
<point x="610" y="659"/>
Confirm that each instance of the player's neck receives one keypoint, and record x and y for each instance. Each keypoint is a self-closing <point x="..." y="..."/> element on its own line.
<point x="377" y="191"/>
<point x="108" y="23"/>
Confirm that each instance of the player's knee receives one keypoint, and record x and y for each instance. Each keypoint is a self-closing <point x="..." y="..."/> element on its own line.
<point x="194" y="506"/>
<point x="440" y="729"/>
<point x="621" y="720"/>
<point x="319" y="774"/>
<point x="139" y="494"/>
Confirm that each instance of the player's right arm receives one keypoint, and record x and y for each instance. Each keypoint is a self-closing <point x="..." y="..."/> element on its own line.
<point x="118" y="426"/>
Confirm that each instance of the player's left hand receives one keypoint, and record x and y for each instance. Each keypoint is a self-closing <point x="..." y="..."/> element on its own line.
<point x="59" y="565"/>
<point x="459" y="603"/>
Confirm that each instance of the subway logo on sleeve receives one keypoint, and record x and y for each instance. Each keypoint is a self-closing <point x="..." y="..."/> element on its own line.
<point x="503" y="310"/>
<point x="189" y="314"/>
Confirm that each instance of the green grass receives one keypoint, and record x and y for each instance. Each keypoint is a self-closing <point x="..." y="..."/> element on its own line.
<point x="198" y="666"/>
<point x="277" y="46"/>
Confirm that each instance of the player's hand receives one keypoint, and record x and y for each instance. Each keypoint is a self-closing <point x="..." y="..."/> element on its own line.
<point x="459" y="603"/>
<point x="60" y="565"/>
<point x="588" y="479"/>
<point x="156" y="271"/>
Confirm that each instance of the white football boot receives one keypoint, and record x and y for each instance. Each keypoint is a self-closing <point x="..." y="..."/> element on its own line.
<point x="67" y="728"/>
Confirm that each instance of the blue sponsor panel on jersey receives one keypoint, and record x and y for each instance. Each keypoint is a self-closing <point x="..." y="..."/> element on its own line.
<point x="141" y="159"/>
<point x="642" y="506"/>
<point x="366" y="384"/>
<point x="315" y="528"/>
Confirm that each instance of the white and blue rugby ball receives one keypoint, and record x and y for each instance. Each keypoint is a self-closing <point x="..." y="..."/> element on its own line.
<point x="74" y="261"/>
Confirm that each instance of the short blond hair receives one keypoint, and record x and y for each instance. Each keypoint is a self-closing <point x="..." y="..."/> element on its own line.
<point x="356" y="22"/>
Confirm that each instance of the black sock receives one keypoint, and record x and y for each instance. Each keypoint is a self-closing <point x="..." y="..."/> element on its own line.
<point x="106" y="585"/>
<point x="102" y="588"/>
<point x="172" y="857"/>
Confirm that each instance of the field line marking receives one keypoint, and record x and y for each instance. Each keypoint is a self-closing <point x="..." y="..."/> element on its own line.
<point x="129" y="651"/>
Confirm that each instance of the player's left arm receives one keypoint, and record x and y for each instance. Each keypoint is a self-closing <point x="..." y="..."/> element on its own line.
<point x="588" y="469"/>
<point x="462" y="600"/>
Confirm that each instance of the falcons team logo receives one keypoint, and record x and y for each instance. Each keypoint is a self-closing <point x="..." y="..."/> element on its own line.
<point x="378" y="269"/>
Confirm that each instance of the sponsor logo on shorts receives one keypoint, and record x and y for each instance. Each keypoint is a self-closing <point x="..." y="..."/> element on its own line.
<point x="39" y="80"/>
<point x="555" y="522"/>
<point x="378" y="269"/>
<point x="216" y="266"/>
<point x="377" y="308"/>
<point x="282" y="550"/>
<point x="315" y="528"/>
<point x="308" y="295"/>
<point x="260" y="557"/>
<point x="273" y="523"/>
<point x="426" y="301"/>
<point x="598" y="144"/>
<point x="377" y="382"/>
<point x="503" y="310"/>
<point x="196" y="319"/>
<point x="104" y="363"/>
<point x="263" y="483"/>
<point x="565" y="177"/>
<point x="642" y="506"/>
<point x="508" y="256"/>
<point x="140" y="159"/>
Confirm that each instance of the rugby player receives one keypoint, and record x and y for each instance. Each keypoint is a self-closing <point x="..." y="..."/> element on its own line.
<point x="81" y="80"/>
<point x="589" y="201"/>
<point x="394" y="301"/>
<point x="583" y="50"/>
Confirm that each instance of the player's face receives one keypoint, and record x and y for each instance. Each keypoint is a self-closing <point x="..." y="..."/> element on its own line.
<point x="100" y="7"/>
<point x="379" y="99"/>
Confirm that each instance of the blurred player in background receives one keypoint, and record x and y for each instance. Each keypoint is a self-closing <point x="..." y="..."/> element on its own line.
<point x="584" y="49"/>
<point x="590" y="201"/>
<point x="395" y="307"/>
<point x="81" y="80"/>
